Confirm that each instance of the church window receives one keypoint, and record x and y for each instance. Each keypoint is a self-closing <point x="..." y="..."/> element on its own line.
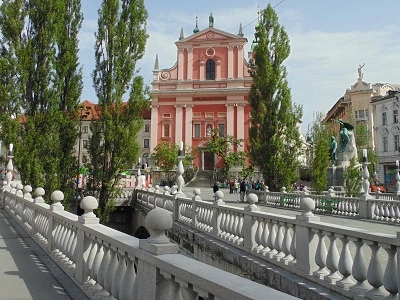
<point x="210" y="70"/>
<point x="166" y="130"/>
<point x="221" y="130"/>
<point x="196" y="130"/>
<point x="384" y="120"/>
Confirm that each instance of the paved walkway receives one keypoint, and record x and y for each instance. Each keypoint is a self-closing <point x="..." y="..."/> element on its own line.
<point x="368" y="225"/>
<point x="26" y="271"/>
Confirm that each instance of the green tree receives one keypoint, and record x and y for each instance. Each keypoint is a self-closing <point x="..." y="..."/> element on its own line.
<point x="37" y="107"/>
<point x="319" y="153"/>
<point x="274" y="139"/>
<point x="352" y="179"/>
<point x="120" y="42"/>
<point x="228" y="149"/>
<point x="165" y="156"/>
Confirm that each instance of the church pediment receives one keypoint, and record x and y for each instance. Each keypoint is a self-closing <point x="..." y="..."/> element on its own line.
<point x="211" y="34"/>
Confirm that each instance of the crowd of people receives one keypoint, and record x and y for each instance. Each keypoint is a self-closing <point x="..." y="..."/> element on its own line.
<point x="240" y="186"/>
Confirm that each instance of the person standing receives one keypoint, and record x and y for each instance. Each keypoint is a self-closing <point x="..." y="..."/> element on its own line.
<point x="242" y="190"/>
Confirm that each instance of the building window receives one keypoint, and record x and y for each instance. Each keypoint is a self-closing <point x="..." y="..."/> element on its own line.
<point x="146" y="127"/>
<point x="196" y="130"/>
<point x="167" y="116"/>
<point x="221" y="130"/>
<point x="395" y="116"/>
<point x="85" y="143"/>
<point x="384" y="121"/>
<point x="146" y="143"/>
<point x="385" y="144"/>
<point x="210" y="70"/>
<point x="166" y="130"/>
<point x="85" y="129"/>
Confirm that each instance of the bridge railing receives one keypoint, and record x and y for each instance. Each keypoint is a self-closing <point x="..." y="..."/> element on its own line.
<point x="106" y="263"/>
<point x="353" y="262"/>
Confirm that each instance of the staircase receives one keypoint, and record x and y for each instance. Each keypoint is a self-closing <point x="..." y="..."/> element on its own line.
<point x="202" y="179"/>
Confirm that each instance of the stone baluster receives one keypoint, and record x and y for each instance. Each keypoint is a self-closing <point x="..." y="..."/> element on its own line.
<point x="397" y="179"/>
<point x="87" y="278"/>
<point x="250" y="223"/>
<point x="264" y="237"/>
<point x="10" y="167"/>
<point x="194" y="209"/>
<point x="359" y="270"/>
<point x="157" y="222"/>
<point x="216" y="213"/>
<point x="119" y="273"/>
<point x="128" y="288"/>
<point x="345" y="264"/>
<point x="288" y="243"/>
<point x="306" y="239"/>
<point x="279" y="242"/>
<point x="365" y="203"/>
<point x="111" y="271"/>
<point x="320" y="256"/>
<point x="332" y="259"/>
<point x="390" y="278"/>
<point x="179" y="172"/>
<point x="88" y="204"/>
<point x="258" y="236"/>
<point x="271" y="239"/>
<point x="92" y="289"/>
<point x="375" y="273"/>
<point x="98" y="290"/>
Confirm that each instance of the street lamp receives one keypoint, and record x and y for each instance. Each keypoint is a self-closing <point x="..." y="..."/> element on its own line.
<point x="84" y="113"/>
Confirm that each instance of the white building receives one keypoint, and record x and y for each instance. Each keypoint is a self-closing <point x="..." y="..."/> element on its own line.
<point x="387" y="135"/>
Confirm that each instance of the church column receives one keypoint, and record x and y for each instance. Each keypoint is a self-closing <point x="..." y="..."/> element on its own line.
<point x="190" y="63"/>
<point x="230" y="61"/>
<point x="180" y="64"/>
<point x="240" y="122"/>
<point x="240" y="61"/>
<point x="178" y="123"/>
<point x="189" y="125"/>
<point x="201" y="69"/>
<point x="230" y="117"/>
<point x="154" y="127"/>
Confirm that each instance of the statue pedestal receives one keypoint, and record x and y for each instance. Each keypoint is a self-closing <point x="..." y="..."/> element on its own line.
<point x="335" y="175"/>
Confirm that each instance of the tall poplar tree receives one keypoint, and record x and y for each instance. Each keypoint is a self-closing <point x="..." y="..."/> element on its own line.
<point x="41" y="88"/>
<point x="274" y="139"/>
<point x="120" y="42"/>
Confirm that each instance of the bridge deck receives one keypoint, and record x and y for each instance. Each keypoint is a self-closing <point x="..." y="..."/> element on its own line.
<point x="353" y="222"/>
<point x="26" y="271"/>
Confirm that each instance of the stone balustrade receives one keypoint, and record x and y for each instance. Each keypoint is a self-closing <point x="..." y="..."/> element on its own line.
<point x="108" y="264"/>
<point x="352" y="262"/>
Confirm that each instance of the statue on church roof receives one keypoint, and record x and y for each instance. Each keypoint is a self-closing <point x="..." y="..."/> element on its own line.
<point x="211" y="20"/>
<point x="360" y="74"/>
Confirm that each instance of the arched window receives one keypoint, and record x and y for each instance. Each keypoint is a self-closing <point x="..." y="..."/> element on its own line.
<point x="210" y="70"/>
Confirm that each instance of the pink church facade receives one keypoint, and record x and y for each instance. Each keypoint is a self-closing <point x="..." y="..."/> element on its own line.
<point x="206" y="89"/>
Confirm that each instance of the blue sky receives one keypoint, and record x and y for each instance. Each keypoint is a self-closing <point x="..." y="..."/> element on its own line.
<point x="329" y="39"/>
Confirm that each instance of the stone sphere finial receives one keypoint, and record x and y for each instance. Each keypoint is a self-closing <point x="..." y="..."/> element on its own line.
<point x="89" y="204"/>
<point x="57" y="197"/>
<point x="283" y="189"/>
<point x="307" y="204"/>
<point x="39" y="192"/>
<point x="252" y="199"/>
<point x="19" y="188"/>
<point x="157" y="221"/>
<point x="197" y="192"/>
<point x="27" y="192"/>
<point x="219" y="195"/>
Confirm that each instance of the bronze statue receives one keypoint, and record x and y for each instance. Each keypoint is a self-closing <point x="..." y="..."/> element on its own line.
<point x="345" y="128"/>
<point x="332" y="150"/>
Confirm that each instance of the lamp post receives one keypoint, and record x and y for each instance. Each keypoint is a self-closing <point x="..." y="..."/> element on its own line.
<point x="83" y="115"/>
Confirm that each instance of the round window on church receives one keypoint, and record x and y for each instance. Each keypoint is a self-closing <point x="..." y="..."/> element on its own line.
<point x="210" y="52"/>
